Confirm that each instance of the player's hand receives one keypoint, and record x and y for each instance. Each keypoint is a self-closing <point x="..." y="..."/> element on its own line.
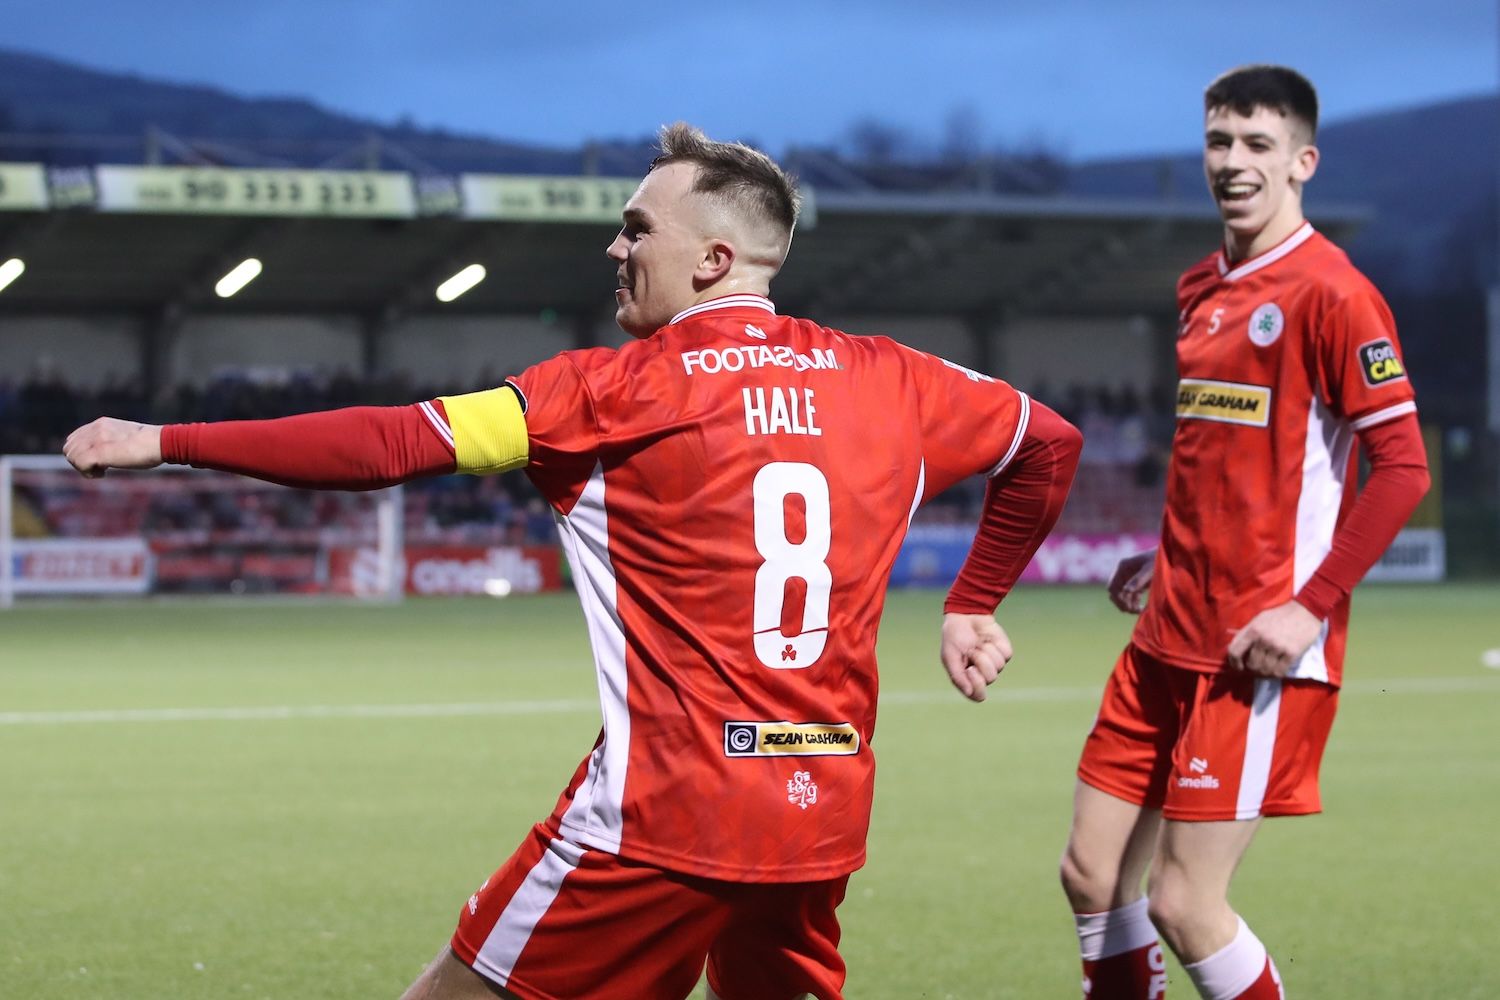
<point x="1275" y="640"/>
<point x="1132" y="580"/>
<point x="974" y="651"/>
<point x="108" y="443"/>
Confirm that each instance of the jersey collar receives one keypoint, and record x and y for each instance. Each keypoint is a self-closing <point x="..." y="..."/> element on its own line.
<point x="1300" y="236"/>
<point x="740" y="300"/>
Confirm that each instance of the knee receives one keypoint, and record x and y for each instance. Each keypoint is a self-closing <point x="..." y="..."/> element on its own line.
<point x="1090" y="887"/>
<point x="1174" y="908"/>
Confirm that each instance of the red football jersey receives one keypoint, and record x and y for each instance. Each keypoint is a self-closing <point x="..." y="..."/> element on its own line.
<point x="1281" y="359"/>
<point x="732" y="493"/>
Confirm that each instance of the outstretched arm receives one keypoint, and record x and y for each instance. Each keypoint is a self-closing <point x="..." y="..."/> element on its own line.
<point x="1274" y="640"/>
<point x="358" y="448"/>
<point x="1021" y="504"/>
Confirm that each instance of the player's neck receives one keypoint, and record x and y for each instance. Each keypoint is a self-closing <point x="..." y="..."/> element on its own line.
<point x="740" y="281"/>
<point x="1240" y="246"/>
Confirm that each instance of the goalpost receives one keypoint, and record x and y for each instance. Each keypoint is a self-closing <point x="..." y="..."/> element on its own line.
<point x="175" y="530"/>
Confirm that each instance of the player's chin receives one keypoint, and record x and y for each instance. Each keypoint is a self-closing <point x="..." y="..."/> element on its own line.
<point x="628" y="318"/>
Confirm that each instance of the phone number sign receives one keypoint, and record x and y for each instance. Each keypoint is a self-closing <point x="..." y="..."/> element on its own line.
<point x="232" y="191"/>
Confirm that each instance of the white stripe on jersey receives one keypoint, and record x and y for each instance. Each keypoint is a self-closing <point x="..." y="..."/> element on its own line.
<point x="1271" y="256"/>
<point x="916" y="501"/>
<point x="1325" y="464"/>
<point x="1381" y="416"/>
<point x="727" y="302"/>
<point x="497" y="958"/>
<point x="1260" y="744"/>
<point x="1015" y="442"/>
<point x="594" y="817"/>
<point x="438" y="423"/>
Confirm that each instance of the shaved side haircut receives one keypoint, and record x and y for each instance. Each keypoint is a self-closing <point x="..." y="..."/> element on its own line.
<point x="1278" y="88"/>
<point x="740" y="178"/>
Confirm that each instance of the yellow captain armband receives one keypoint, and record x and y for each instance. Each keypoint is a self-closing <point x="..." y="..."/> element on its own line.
<point x="489" y="430"/>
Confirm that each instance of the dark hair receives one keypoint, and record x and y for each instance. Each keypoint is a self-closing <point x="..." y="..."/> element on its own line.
<point x="1278" y="88"/>
<point x="735" y="172"/>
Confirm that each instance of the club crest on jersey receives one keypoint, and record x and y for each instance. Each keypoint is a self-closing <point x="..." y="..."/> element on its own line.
<point x="1266" y="324"/>
<point x="1379" y="363"/>
<point x="801" y="790"/>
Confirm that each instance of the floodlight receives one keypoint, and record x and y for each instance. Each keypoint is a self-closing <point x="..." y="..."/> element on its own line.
<point x="244" y="272"/>
<point x="10" y="271"/>
<point x="460" y="282"/>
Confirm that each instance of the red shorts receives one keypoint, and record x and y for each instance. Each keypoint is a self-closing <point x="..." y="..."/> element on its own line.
<point x="563" y="922"/>
<point x="1202" y="747"/>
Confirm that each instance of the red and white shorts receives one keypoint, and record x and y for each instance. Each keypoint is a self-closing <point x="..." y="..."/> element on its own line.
<point x="1208" y="746"/>
<point x="563" y="922"/>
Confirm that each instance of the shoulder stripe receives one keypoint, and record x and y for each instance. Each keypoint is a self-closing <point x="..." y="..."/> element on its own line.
<point x="1015" y="443"/>
<point x="438" y="423"/>
<point x="1381" y="416"/>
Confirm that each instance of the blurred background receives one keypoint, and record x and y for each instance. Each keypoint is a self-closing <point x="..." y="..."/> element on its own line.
<point x="208" y="216"/>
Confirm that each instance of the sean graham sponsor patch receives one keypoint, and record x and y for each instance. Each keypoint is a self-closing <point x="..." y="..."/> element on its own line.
<point x="790" y="739"/>
<point x="1226" y="402"/>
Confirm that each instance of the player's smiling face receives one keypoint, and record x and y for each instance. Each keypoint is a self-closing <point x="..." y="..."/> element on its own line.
<point x="1256" y="165"/>
<point x="658" y="250"/>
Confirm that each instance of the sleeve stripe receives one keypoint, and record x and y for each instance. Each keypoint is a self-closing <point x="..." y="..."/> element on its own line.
<point x="1015" y="443"/>
<point x="438" y="423"/>
<point x="1381" y="416"/>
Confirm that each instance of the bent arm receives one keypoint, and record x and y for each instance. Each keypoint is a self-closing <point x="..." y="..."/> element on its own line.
<point x="1021" y="504"/>
<point x="1398" y="481"/>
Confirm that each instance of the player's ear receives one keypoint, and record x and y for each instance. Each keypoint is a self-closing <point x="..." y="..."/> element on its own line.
<point x="718" y="257"/>
<point x="1304" y="163"/>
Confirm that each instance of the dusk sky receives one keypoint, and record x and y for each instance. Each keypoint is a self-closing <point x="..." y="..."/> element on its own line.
<point x="1085" y="79"/>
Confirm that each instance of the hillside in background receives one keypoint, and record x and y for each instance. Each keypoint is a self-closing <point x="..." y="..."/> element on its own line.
<point x="1427" y="174"/>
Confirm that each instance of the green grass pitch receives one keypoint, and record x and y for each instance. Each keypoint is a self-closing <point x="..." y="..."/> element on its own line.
<point x="275" y="841"/>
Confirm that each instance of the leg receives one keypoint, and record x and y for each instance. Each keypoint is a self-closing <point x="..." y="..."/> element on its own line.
<point x="1116" y="816"/>
<point x="1250" y="749"/>
<point x="1189" y="886"/>
<point x="1108" y="852"/>
<point x="1189" y="902"/>
<point x="449" y="979"/>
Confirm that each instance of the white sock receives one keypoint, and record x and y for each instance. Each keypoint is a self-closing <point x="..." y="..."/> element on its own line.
<point x="1114" y="932"/>
<point x="1232" y="969"/>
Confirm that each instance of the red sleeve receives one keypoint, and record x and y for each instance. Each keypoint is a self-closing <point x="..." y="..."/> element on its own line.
<point x="358" y="448"/>
<point x="1021" y="504"/>
<point x="1398" y="480"/>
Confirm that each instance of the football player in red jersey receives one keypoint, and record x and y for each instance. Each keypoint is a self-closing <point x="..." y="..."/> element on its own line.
<point x="732" y="489"/>
<point x="1217" y="712"/>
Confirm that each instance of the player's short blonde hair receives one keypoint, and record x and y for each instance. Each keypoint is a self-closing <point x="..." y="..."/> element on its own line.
<point x="744" y="179"/>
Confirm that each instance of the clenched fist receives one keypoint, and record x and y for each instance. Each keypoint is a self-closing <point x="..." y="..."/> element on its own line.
<point x="108" y="443"/>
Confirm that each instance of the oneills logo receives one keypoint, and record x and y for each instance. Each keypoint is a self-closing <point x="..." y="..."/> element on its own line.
<point x="1225" y="402"/>
<point x="790" y="739"/>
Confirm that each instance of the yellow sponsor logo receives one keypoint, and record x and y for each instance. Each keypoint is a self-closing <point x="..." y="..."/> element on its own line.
<point x="790" y="739"/>
<point x="1380" y="362"/>
<point x="1226" y="402"/>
